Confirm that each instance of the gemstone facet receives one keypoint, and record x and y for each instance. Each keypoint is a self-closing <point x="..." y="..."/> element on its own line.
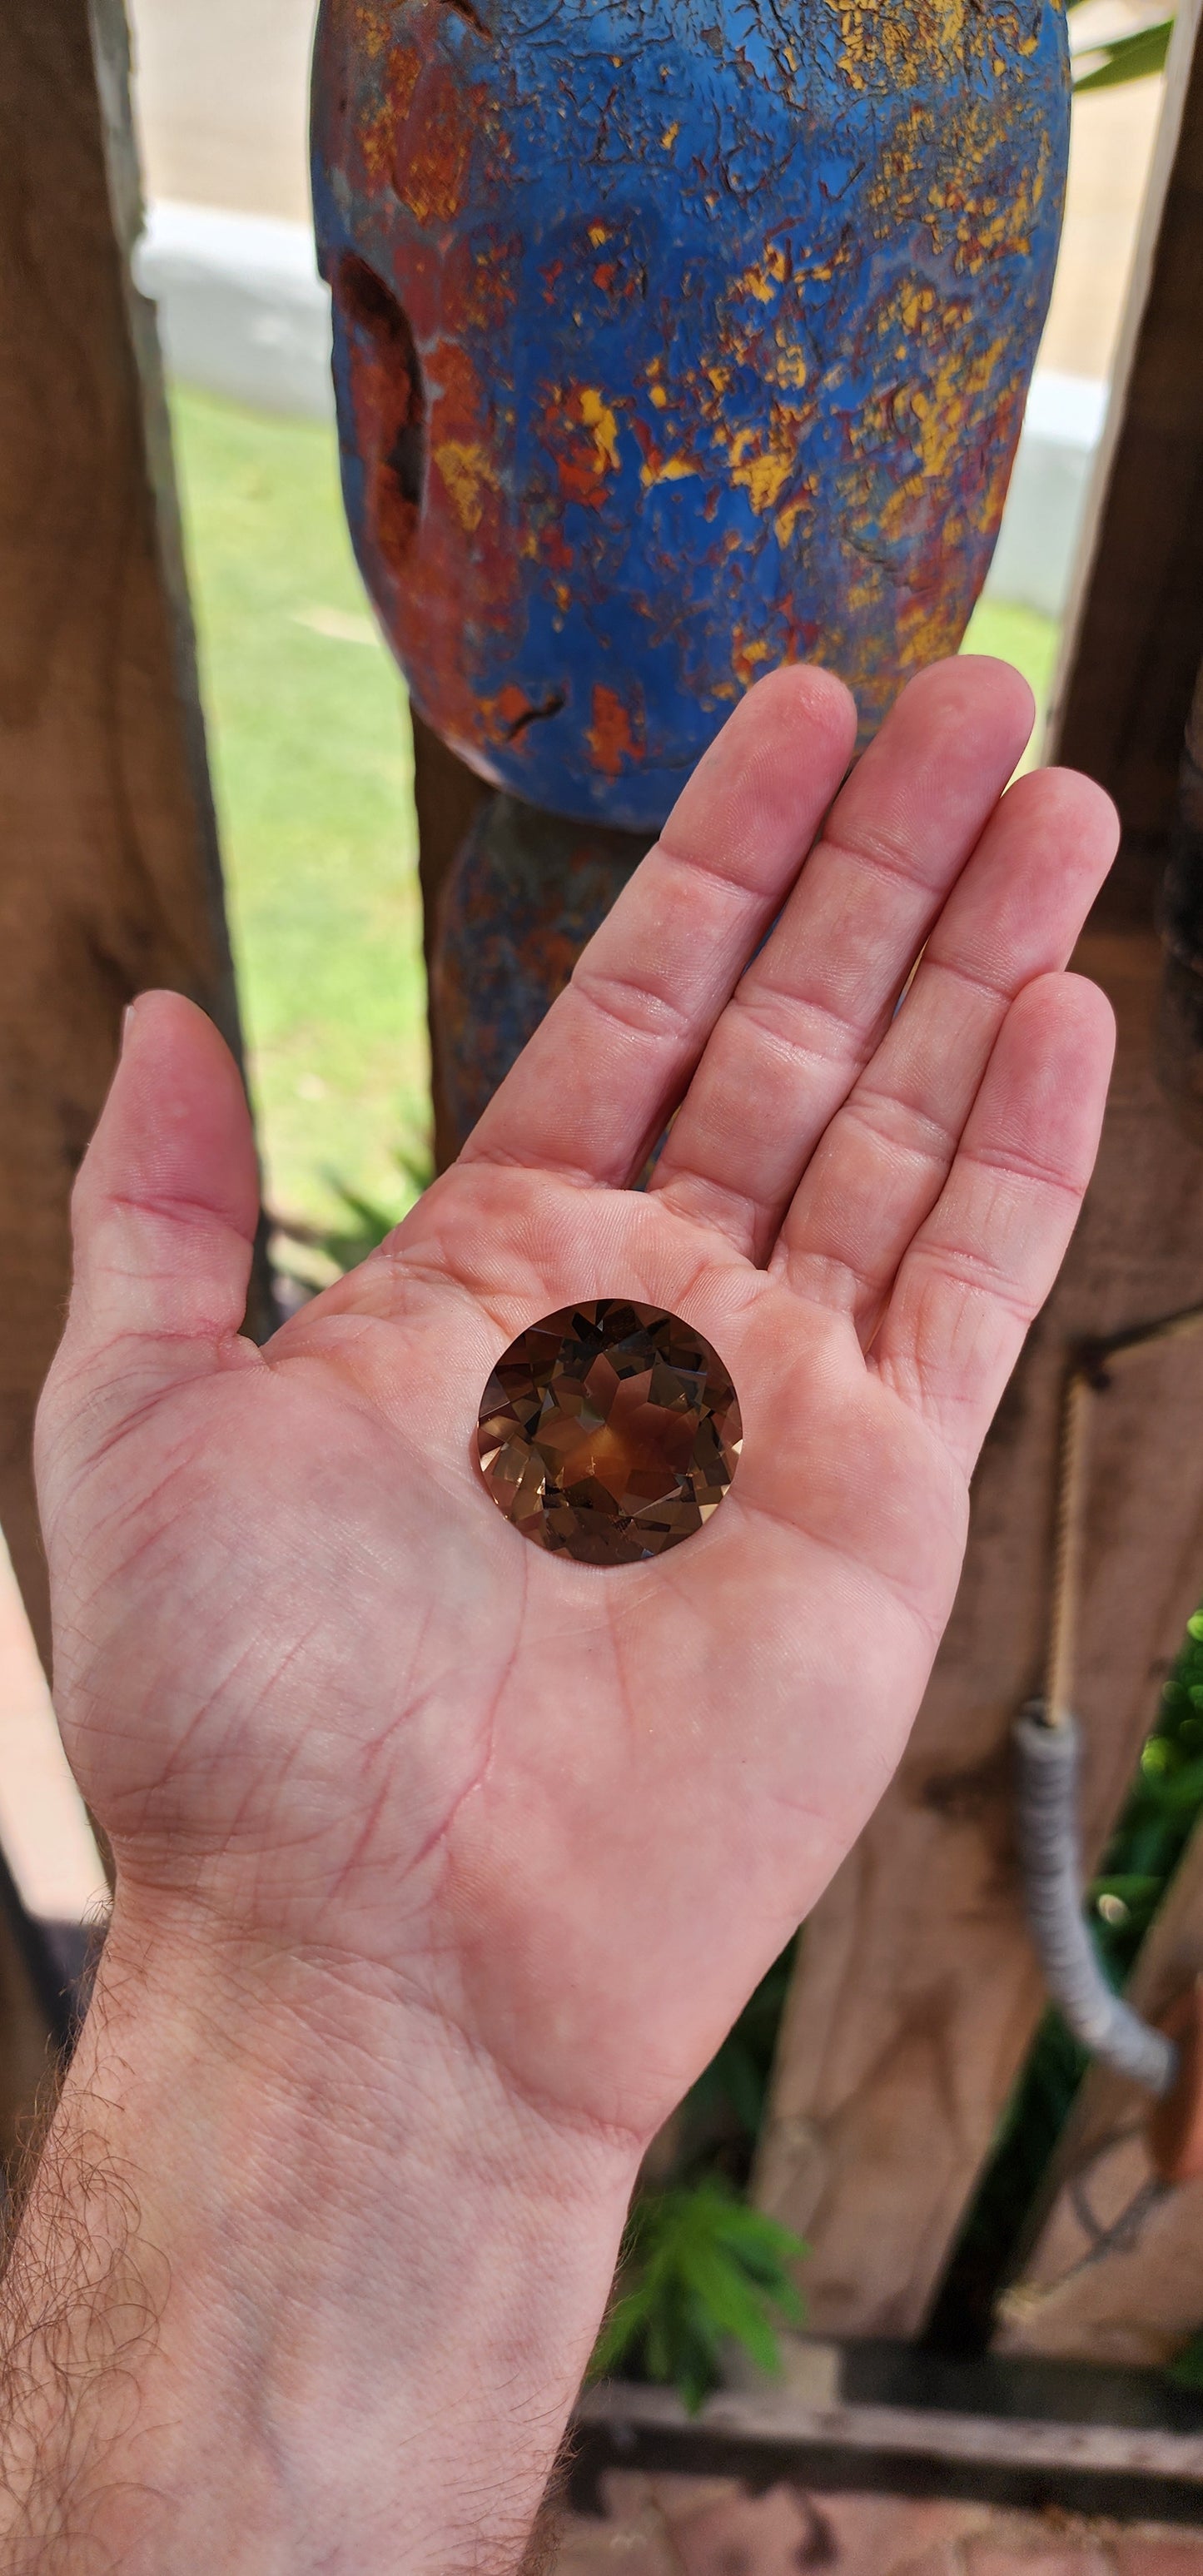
<point x="609" y="1432"/>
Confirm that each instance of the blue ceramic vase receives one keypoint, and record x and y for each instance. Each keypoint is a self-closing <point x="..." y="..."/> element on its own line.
<point x="677" y="339"/>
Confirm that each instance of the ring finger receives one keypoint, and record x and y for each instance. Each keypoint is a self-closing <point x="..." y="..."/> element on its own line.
<point x="811" y="1008"/>
<point x="1014" y="916"/>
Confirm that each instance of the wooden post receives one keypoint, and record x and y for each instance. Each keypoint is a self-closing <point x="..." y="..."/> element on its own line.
<point x="1132" y="634"/>
<point x="579" y="578"/>
<point x="111" y="872"/>
<point x="448" y="796"/>
<point x="917" y="1994"/>
<point x="111" y="880"/>
<point x="1115" y="2261"/>
<point x="1116" y="2269"/>
<point x="522" y="898"/>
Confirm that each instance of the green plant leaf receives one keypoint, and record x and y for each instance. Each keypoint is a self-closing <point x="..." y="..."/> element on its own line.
<point x="1183" y="1787"/>
<point x="627" y="2321"/>
<point x="700" y="2268"/>
<point x="347" y="1245"/>
<point x="1130" y="58"/>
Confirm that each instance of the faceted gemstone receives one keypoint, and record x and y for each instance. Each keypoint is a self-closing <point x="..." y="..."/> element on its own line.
<point x="609" y="1432"/>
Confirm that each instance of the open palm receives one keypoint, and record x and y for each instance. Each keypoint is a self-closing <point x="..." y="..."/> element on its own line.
<point x="307" y="1674"/>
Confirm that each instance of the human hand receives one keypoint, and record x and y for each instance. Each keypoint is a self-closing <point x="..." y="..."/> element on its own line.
<point x="442" y="1863"/>
<point x="325" y="1701"/>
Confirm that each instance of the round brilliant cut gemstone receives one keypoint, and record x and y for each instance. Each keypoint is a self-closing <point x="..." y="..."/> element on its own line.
<point x="609" y="1432"/>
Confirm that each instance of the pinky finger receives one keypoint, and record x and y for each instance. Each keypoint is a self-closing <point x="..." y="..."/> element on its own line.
<point x="982" y="1264"/>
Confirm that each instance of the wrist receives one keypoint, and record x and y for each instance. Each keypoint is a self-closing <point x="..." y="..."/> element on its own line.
<point x="367" y="2276"/>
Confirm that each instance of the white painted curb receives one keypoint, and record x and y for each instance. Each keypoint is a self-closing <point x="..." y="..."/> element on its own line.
<point x="242" y="310"/>
<point x="1063" y="424"/>
<point x="244" y="313"/>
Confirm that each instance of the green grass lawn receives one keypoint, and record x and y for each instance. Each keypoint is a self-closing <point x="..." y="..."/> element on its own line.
<point x="312" y="766"/>
<point x="310" y="747"/>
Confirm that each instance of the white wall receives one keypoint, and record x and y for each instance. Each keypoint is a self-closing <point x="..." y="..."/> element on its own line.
<point x="223" y="91"/>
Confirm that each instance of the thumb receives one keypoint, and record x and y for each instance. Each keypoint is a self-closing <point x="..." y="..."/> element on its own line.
<point x="164" y="1216"/>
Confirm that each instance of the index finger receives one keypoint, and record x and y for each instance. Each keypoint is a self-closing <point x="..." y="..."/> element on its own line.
<point x="593" y="1089"/>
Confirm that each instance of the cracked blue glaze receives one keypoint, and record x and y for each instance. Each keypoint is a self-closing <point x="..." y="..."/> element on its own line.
<point x="674" y="342"/>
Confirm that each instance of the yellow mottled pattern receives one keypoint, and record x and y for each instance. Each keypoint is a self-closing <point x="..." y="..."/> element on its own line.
<point x="892" y="45"/>
<point x="671" y="469"/>
<point x="966" y="213"/>
<point x="763" y="280"/>
<point x="468" y="472"/>
<point x="373" y="26"/>
<point x="786" y="521"/>
<point x="762" y="460"/>
<point x="377" y="146"/>
<point x="597" y="415"/>
<point x="943" y="412"/>
<point x="902" y="47"/>
<point x="908" y="493"/>
<point x="786" y="363"/>
<point x="940" y="417"/>
<point x="950" y="381"/>
<point x="747" y="658"/>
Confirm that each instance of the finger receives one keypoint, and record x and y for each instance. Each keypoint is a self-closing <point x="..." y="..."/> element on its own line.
<point x="985" y="1259"/>
<point x="164" y="1214"/>
<point x="1014" y="914"/>
<point x="811" y="1008"/>
<point x="593" y="1089"/>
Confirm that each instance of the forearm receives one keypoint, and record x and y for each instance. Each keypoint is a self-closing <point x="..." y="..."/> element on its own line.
<point x="297" y="2286"/>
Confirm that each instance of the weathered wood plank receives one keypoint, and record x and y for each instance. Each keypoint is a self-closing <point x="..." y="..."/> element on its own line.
<point x="773" y="2416"/>
<point x="1133" y="635"/>
<point x="110" y="879"/>
<point x="448" y="796"/>
<point x="917" y="1990"/>
<point x="917" y="1993"/>
<point x="1120" y="2470"/>
<point x="1138" y="2297"/>
<point x="110" y="875"/>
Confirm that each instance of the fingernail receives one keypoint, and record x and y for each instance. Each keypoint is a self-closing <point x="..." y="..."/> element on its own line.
<point x="127" y="1019"/>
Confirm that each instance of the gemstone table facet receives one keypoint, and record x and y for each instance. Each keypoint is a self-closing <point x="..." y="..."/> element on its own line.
<point x="609" y="1432"/>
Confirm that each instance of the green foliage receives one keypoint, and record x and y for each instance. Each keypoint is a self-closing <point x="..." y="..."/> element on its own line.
<point x="1157" y="1822"/>
<point x="346" y="1245"/>
<point x="311" y="760"/>
<point x="963" y="2317"/>
<point x="1187" y="2370"/>
<point x="1131" y="58"/>
<point x="699" y="2269"/>
<point x="720" y="2118"/>
<point x="699" y="2266"/>
<point x="1123" y="58"/>
<point x="363" y="1224"/>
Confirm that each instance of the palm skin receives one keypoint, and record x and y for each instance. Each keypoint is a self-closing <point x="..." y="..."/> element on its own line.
<point x="314" y="1686"/>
